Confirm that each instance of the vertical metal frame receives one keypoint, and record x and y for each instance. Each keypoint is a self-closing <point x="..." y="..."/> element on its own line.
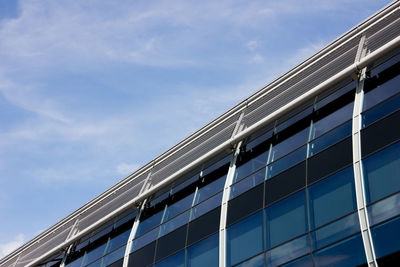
<point x="132" y="235"/>
<point x="358" y="173"/>
<point x="224" y="207"/>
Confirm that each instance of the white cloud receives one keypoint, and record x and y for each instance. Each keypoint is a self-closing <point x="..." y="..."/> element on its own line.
<point x="8" y="247"/>
<point x="252" y="45"/>
<point x="126" y="168"/>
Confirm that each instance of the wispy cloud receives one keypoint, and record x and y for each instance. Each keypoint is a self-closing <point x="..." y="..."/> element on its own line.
<point x="10" y="246"/>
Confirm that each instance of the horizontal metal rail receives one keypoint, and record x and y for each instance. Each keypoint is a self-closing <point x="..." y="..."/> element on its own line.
<point x="354" y="68"/>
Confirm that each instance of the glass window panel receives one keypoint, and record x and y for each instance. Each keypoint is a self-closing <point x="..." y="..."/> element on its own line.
<point x="289" y="144"/>
<point x="124" y="219"/>
<point x="204" y="253"/>
<point x="386" y="237"/>
<point x="305" y="261"/>
<point x="176" y="260"/>
<point x="114" y="256"/>
<point x="332" y="197"/>
<point x="334" y="93"/>
<point x="381" y="93"/>
<point x="286" y="162"/>
<point x="206" y="206"/>
<point x="206" y="191"/>
<point x="101" y="233"/>
<point x="96" y="263"/>
<point x="75" y="263"/>
<point x="247" y="183"/>
<point x="381" y="110"/>
<point x="381" y="173"/>
<point x="384" y="209"/>
<point x="349" y="252"/>
<point x="334" y="231"/>
<point x="94" y="254"/>
<point x="145" y="239"/>
<point x="332" y="120"/>
<point x="149" y="223"/>
<point x="174" y="223"/>
<point x="250" y="166"/>
<point x="178" y="207"/>
<point x="286" y="219"/>
<point x="118" y="240"/>
<point x="248" y="231"/>
<point x="330" y="138"/>
<point x="258" y="261"/>
<point x="288" y="251"/>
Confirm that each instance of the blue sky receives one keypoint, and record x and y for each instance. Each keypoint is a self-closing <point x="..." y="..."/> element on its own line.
<point x="91" y="90"/>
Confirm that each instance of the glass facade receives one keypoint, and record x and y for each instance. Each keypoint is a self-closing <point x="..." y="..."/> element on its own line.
<point x="283" y="196"/>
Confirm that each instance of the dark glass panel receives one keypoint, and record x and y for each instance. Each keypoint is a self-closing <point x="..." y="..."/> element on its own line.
<point x="117" y="241"/>
<point x="114" y="256"/>
<point x="330" y="160"/>
<point x="380" y="134"/>
<point x="305" y="261"/>
<point x="247" y="183"/>
<point x="389" y="260"/>
<point x="381" y="173"/>
<point x="210" y="189"/>
<point x="176" y="260"/>
<point x="384" y="209"/>
<point x="380" y="111"/>
<point x="178" y="207"/>
<point x="204" y="253"/>
<point x="285" y="183"/>
<point x="330" y="138"/>
<point x="145" y="239"/>
<point x="149" y="223"/>
<point x="142" y="257"/>
<point x="286" y="219"/>
<point x="257" y="261"/>
<point x="245" y="204"/>
<point x="206" y="206"/>
<point x="286" y="162"/>
<point x="245" y="239"/>
<point x="288" y="143"/>
<point x="349" y="252"/>
<point x="204" y="225"/>
<point x="118" y="263"/>
<point x="334" y="231"/>
<point x="342" y="90"/>
<point x="247" y="163"/>
<point x="171" y="243"/>
<point x="332" y="197"/>
<point x="174" y="223"/>
<point x="94" y="254"/>
<point x="288" y="251"/>
<point x="386" y="237"/>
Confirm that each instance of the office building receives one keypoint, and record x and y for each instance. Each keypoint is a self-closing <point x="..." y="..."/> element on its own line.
<point x="305" y="172"/>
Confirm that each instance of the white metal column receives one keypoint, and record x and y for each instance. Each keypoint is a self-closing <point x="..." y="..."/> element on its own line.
<point x="358" y="173"/>
<point x="224" y="208"/>
<point x="132" y="235"/>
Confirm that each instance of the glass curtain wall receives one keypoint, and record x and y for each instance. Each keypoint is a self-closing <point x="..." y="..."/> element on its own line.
<point x="179" y="225"/>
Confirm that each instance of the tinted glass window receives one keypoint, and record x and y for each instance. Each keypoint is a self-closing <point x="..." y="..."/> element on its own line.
<point x="332" y="197"/>
<point x="384" y="209"/>
<point x="117" y="241"/>
<point x="258" y="261"/>
<point x="177" y="260"/>
<point x="204" y="253"/>
<point x="286" y="219"/>
<point x="381" y="173"/>
<point x="288" y="251"/>
<point x="248" y="231"/>
<point x="386" y="237"/>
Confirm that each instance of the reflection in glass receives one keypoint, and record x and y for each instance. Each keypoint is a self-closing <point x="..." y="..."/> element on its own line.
<point x="384" y="209"/>
<point x="330" y="138"/>
<point x="349" y="252"/>
<point x="178" y="207"/>
<point x="206" y="206"/>
<point x="381" y="172"/>
<point x="386" y="237"/>
<point x="204" y="253"/>
<point x="332" y="197"/>
<point x="247" y="183"/>
<point x="94" y="254"/>
<point x="381" y="93"/>
<point x="209" y="190"/>
<point x="149" y="223"/>
<point x="145" y="239"/>
<point x="178" y="260"/>
<point x="334" y="231"/>
<point x="250" y="166"/>
<point x="118" y="240"/>
<point x="286" y="219"/>
<point x="174" y="223"/>
<point x="288" y="251"/>
<point x="305" y="261"/>
<point x="289" y="144"/>
<point x="286" y="161"/>
<point x="114" y="256"/>
<point x="332" y="120"/>
<point x="249" y="232"/>
<point x="258" y="261"/>
<point x="380" y="111"/>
